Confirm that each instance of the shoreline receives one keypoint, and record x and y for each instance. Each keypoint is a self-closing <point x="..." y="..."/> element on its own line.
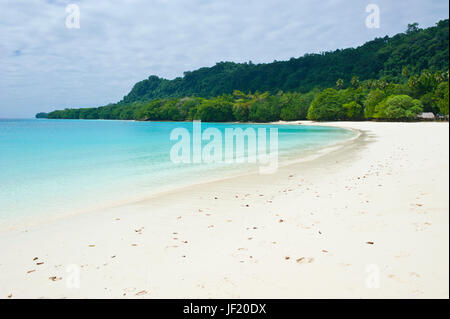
<point x="19" y="223"/>
<point x="309" y="231"/>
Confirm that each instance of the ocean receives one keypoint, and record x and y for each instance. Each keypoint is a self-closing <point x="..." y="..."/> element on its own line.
<point x="57" y="167"/>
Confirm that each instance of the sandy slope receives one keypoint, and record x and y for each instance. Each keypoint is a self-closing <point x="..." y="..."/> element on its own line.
<point x="324" y="228"/>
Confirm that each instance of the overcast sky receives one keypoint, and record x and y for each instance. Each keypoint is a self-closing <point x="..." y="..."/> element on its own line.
<point x="44" y="65"/>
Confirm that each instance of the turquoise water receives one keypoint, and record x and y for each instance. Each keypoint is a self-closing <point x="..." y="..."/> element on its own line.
<point x="63" y="166"/>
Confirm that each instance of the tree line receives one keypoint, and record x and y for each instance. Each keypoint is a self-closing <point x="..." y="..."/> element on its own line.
<point x="416" y="48"/>
<point x="388" y="78"/>
<point x="357" y="100"/>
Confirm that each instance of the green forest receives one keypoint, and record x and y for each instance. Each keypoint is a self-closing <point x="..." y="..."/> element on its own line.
<point x="390" y="78"/>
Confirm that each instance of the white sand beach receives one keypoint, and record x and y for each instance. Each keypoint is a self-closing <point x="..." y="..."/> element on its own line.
<point x="368" y="220"/>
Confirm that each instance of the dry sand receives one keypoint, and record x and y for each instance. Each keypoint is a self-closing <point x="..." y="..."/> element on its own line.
<point x="369" y="220"/>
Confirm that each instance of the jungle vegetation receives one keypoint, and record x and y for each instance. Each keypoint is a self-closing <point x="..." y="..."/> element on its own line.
<point x="388" y="78"/>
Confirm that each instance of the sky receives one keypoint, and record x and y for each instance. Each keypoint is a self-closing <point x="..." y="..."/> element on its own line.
<point x="46" y="65"/>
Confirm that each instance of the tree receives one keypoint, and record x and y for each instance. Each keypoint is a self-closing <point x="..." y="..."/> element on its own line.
<point x="294" y="106"/>
<point x="439" y="77"/>
<point x="340" y="84"/>
<point x="264" y="109"/>
<point x="405" y="72"/>
<point x="188" y="107"/>
<point x="373" y="99"/>
<point x="398" y="107"/>
<point x="429" y="103"/>
<point x="441" y="97"/>
<point x="241" y="105"/>
<point x="355" y="81"/>
<point x="354" y="110"/>
<point x="216" y="110"/>
<point x="326" y="106"/>
<point x="412" y="27"/>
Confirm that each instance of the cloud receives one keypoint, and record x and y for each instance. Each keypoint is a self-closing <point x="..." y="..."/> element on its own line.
<point x="44" y="65"/>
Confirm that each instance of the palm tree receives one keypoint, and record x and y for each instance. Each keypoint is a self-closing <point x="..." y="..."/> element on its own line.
<point x="413" y="81"/>
<point x="405" y="72"/>
<point x="439" y="77"/>
<point x="355" y="82"/>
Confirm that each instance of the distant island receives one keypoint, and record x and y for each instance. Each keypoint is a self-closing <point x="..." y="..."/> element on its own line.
<point x="390" y="78"/>
<point x="41" y="115"/>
